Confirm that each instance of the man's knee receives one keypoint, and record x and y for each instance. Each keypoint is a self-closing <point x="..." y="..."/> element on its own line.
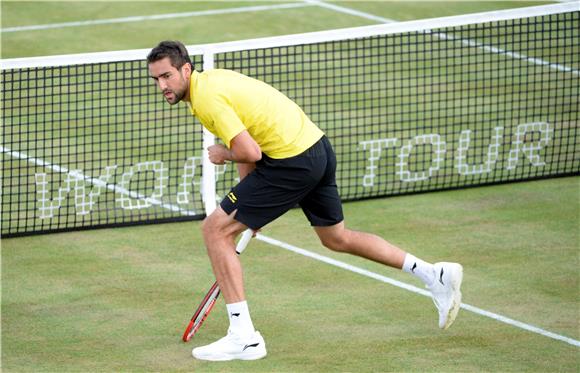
<point x="219" y="225"/>
<point x="336" y="242"/>
<point x="209" y="226"/>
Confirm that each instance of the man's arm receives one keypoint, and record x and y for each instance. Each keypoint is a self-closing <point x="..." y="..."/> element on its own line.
<point x="243" y="149"/>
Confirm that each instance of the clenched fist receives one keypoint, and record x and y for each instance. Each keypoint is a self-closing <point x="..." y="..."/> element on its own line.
<point x="219" y="154"/>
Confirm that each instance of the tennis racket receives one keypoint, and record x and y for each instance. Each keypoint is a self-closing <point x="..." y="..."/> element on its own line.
<point x="210" y="298"/>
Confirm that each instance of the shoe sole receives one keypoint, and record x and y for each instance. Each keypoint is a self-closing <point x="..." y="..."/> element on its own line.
<point x="250" y="354"/>
<point x="457" y="278"/>
<point x="254" y="356"/>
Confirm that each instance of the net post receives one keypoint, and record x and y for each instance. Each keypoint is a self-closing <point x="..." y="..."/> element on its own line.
<point x="208" y="190"/>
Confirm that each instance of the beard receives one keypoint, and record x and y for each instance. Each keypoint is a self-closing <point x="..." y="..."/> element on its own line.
<point x="174" y="96"/>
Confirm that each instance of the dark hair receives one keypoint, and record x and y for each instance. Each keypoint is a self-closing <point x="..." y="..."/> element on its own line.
<point x="175" y="50"/>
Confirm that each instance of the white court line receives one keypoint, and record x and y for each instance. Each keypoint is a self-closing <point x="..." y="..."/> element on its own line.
<point x="303" y="252"/>
<point x="469" y="43"/>
<point x="414" y="289"/>
<point x="352" y="12"/>
<point x="155" y="17"/>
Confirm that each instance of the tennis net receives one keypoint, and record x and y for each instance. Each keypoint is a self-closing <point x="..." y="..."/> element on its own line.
<point x="411" y="107"/>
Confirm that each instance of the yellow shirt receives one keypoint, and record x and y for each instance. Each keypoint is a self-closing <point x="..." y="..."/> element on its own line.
<point x="227" y="102"/>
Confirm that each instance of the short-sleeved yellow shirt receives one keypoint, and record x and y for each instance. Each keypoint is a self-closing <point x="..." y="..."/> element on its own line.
<point x="227" y="102"/>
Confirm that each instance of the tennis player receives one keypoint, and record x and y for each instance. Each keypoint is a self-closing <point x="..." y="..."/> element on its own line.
<point x="283" y="160"/>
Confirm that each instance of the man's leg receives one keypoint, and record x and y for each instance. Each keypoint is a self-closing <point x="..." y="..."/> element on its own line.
<point x="443" y="279"/>
<point x="242" y="341"/>
<point x="219" y="233"/>
<point x="367" y="245"/>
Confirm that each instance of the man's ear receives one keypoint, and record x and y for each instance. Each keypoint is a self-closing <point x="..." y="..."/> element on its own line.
<point x="186" y="69"/>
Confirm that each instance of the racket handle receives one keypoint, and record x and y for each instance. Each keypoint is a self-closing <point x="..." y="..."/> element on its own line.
<point x="244" y="240"/>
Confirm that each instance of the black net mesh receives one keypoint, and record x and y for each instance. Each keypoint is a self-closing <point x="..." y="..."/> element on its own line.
<point x="96" y="145"/>
<point x="439" y="109"/>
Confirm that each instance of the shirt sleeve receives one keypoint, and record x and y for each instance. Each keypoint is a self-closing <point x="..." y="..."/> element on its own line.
<point x="227" y="124"/>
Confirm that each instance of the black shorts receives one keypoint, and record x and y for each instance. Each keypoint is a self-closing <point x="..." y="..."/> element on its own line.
<point x="277" y="185"/>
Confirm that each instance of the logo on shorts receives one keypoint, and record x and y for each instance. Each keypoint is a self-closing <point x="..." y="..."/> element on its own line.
<point x="232" y="197"/>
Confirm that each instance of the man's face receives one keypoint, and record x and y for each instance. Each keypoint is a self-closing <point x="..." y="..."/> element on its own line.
<point x="172" y="82"/>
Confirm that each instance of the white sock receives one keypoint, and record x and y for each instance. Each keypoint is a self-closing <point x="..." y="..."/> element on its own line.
<point x="240" y="320"/>
<point x="420" y="269"/>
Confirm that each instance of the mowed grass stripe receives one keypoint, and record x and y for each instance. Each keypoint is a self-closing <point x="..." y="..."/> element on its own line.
<point x="155" y="17"/>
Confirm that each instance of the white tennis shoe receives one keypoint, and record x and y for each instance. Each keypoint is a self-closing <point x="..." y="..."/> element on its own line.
<point x="231" y="347"/>
<point x="446" y="291"/>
